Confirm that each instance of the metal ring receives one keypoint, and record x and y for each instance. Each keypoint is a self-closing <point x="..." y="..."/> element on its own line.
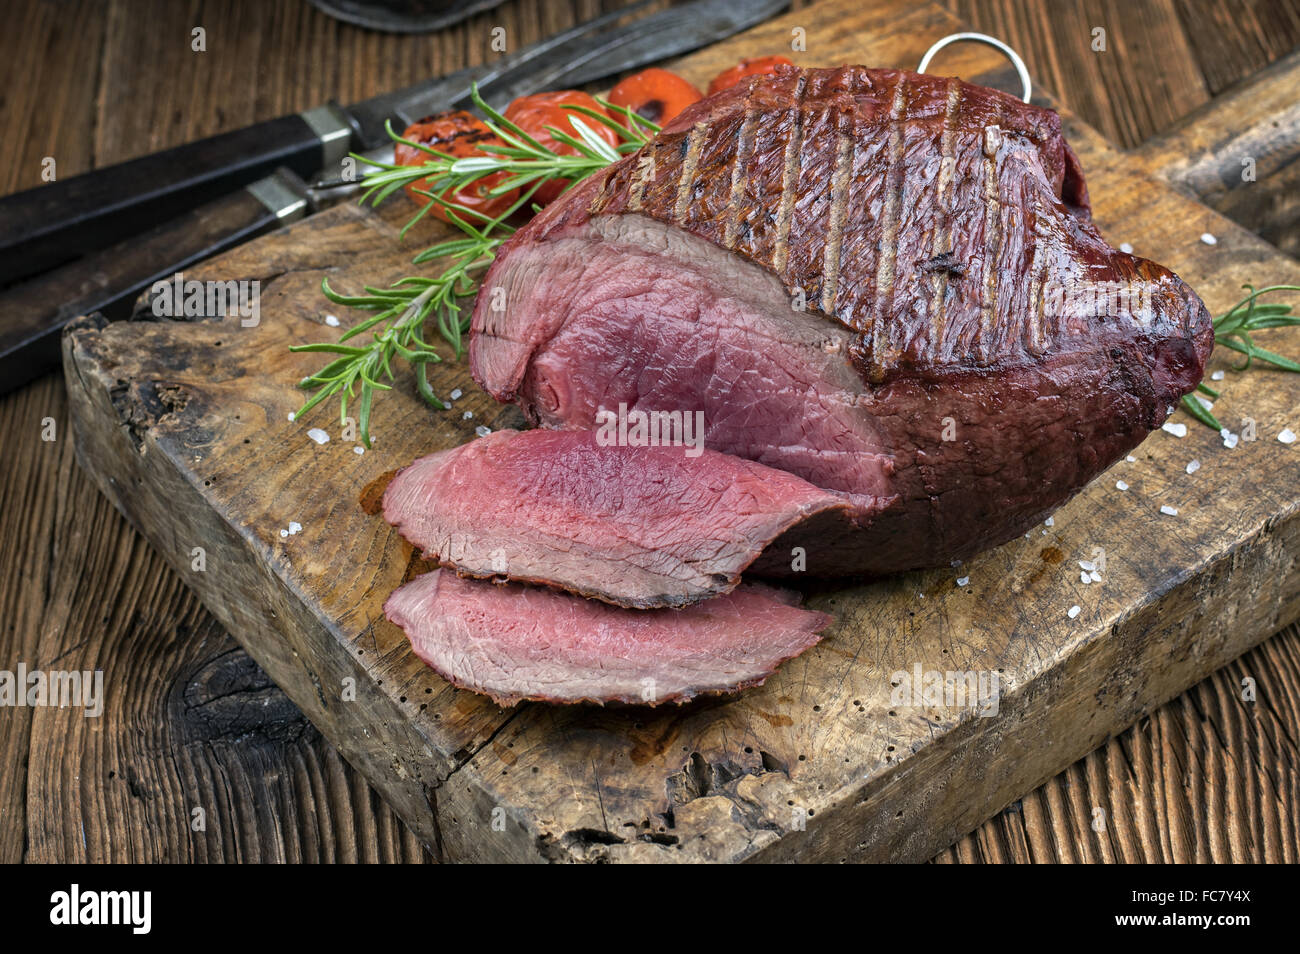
<point x="993" y="41"/>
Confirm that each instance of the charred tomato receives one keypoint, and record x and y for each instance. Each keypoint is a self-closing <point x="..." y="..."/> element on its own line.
<point x="533" y="114"/>
<point x="655" y="94"/>
<point x="757" y="66"/>
<point x="457" y="134"/>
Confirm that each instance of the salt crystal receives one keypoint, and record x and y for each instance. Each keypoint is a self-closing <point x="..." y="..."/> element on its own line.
<point x="467" y="415"/>
<point x="1087" y="565"/>
<point x="962" y="581"/>
<point x="1193" y="466"/>
<point x="1083" y="578"/>
<point x="284" y="533"/>
<point x="1096" y="577"/>
<point x="1205" y="402"/>
<point x="1050" y="521"/>
<point x="1168" y="511"/>
<point x="332" y="321"/>
<point x="291" y="416"/>
<point x="1287" y="436"/>
<point x="358" y="449"/>
<point x="1131" y="459"/>
<point x="482" y="431"/>
<point x="294" y="527"/>
<point x="319" y="436"/>
<point x="1178" y="430"/>
<point x="1126" y="248"/>
<point x="1074" y="611"/>
<point x="1120" y="485"/>
<point x="1217" y="376"/>
<point x="1209" y="239"/>
<point x="455" y="395"/>
<point x="1230" y="440"/>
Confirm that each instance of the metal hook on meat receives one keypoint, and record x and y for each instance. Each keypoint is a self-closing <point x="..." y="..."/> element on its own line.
<point x="1012" y="55"/>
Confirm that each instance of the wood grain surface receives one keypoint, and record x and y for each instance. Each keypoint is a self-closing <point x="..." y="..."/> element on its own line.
<point x="1204" y="777"/>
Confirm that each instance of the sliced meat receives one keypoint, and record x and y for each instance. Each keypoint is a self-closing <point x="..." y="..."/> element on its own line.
<point x="514" y="642"/>
<point x="638" y="526"/>
<point x="885" y="283"/>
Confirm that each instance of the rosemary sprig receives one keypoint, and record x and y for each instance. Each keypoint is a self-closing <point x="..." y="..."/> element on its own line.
<point x="1232" y="330"/>
<point x="402" y="309"/>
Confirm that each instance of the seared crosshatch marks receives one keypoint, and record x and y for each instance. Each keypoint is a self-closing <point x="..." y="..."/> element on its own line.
<point x="839" y="199"/>
<point x="744" y="149"/>
<point x="789" y="180"/>
<point x="643" y="172"/>
<point x="992" y="243"/>
<point x="883" y="352"/>
<point x="694" y="145"/>
<point x="1035" y="335"/>
<point x="893" y="204"/>
<point x="941" y="250"/>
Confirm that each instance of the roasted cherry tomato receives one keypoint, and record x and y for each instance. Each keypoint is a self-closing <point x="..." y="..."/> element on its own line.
<point x="655" y="94"/>
<point x="457" y="134"/>
<point x="755" y="67"/>
<point x="534" y="113"/>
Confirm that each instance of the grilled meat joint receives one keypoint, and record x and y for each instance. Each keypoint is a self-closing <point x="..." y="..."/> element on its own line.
<point x="909" y="342"/>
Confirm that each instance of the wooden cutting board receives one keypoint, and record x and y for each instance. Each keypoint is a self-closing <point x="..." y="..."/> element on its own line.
<point x="184" y="425"/>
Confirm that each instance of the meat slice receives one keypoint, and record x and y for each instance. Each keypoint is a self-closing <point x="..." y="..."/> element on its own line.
<point x="515" y="642"/>
<point x="883" y="282"/>
<point x="638" y="526"/>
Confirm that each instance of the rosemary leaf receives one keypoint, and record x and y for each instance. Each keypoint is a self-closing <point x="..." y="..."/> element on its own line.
<point x="1232" y="330"/>
<point x="401" y="310"/>
<point x="1200" y="412"/>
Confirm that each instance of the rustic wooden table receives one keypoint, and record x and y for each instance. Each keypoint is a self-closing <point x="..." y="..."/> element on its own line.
<point x="198" y="725"/>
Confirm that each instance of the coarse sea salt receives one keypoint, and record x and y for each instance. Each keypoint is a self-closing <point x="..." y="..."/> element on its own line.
<point x="1209" y="239"/>
<point x="1126" y="248"/>
<point x="1131" y="459"/>
<point x="1049" y="522"/>
<point x="1087" y="565"/>
<point x="319" y="436"/>
<point x="1096" y="577"/>
<point x="963" y="580"/>
<point x="1287" y="436"/>
<point x="291" y="417"/>
<point x="1205" y="402"/>
<point x="1084" y="579"/>
<point x="1120" y="485"/>
<point x="482" y="431"/>
<point x="1229" y="439"/>
<point x="294" y="527"/>
<point x="358" y="449"/>
<point x="1178" y="430"/>
<point x="1168" y="511"/>
<point x="284" y="533"/>
<point x="1074" y="611"/>
<point x="468" y="415"/>
<point x="1217" y="376"/>
<point x="455" y="394"/>
<point x="332" y="321"/>
<point x="1193" y="466"/>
